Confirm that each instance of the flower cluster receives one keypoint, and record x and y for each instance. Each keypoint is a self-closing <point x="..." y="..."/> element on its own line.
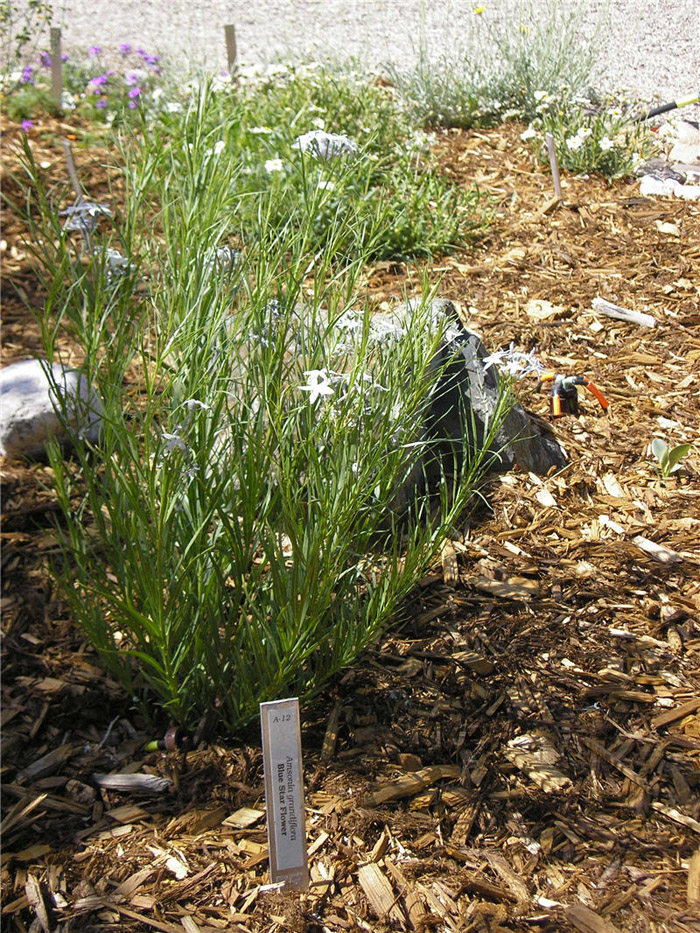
<point x="514" y="362"/>
<point x="591" y="138"/>
<point x="325" y="145"/>
<point x="111" y="84"/>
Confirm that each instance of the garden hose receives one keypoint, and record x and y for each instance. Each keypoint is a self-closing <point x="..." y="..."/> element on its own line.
<point x="664" y="108"/>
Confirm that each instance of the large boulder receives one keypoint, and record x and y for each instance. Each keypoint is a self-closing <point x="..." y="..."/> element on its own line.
<point x="40" y="400"/>
<point x="467" y="397"/>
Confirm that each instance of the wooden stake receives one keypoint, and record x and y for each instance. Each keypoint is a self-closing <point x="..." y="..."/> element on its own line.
<point x="230" y="33"/>
<point x="553" y="164"/>
<point x="72" y="171"/>
<point x="56" y="67"/>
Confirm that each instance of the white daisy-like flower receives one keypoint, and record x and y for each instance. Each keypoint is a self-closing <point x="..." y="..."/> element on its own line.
<point x="274" y="165"/>
<point x="606" y="144"/>
<point x="529" y="133"/>
<point x="318" y="384"/>
<point x="574" y="143"/>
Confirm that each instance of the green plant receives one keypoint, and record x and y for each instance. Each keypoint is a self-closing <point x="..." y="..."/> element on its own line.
<point x="504" y="58"/>
<point x="254" y="514"/>
<point x="395" y="203"/>
<point x="668" y="458"/>
<point x="22" y="29"/>
<point x="592" y="138"/>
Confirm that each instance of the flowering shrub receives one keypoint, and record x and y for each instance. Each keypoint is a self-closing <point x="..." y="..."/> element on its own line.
<point x="591" y="138"/>
<point x="254" y="513"/>
<point x="327" y="145"/>
<point x="502" y="54"/>
<point x="108" y="87"/>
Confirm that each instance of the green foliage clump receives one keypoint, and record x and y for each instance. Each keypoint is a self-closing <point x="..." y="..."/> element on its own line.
<point x="503" y="57"/>
<point x="388" y="194"/>
<point x="592" y="138"/>
<point x="255" y="512"/>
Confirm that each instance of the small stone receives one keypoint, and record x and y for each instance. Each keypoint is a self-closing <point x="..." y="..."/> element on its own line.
<point x="29" y="400"/>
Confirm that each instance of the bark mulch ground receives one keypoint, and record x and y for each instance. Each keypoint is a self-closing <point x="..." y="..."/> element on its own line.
<point x="523" y="751"/>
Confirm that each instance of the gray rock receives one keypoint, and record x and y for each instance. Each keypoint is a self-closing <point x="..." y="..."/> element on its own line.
<point x="466" y="401"/>
<point x="33" y="405"/>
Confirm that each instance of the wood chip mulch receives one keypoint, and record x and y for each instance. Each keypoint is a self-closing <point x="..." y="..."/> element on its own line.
<point x="523" y="751"/>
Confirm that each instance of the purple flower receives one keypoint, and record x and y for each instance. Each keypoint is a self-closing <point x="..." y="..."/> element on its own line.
<point x="94" y="51"/>
<point x="99" y="81"/>
<point x="131" y="78"/>
<point x="125" y="48"/>
<point x="64" y="56"/>
<point x="27" y="75"/>
<point x="101" y="103"/>
<point x="27" y="125"/>
<point x="133" y="104"/>
<point x="142" y="53"/>
<point x="135" y="92"/>
<point x="45" y="59"/>
<point x="151" y="60"/>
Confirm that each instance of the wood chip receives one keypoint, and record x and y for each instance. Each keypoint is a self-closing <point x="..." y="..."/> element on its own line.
<point x="330" y="739"/>
<point x="614" y="761"/>
<point x="379" y="893"/>
<point x="417" y="915"/>
<point x="243" y="818"/>
<point x="623" y="314"/>
<point x="35" y="899"/>
<point x="450" y="566"/>
<point x="588" y="921"/>
<point x="678" y="712"/>
<point x="409" y="784"/>
<point x="694" y="879"/>
<point x="513" y="588"/>
<point x="660" y="553"/>
<point x="47" y="764"/>
<point x="535" y="754"/>
<point x="673" y="814"/>
<point x="133" y="783"/>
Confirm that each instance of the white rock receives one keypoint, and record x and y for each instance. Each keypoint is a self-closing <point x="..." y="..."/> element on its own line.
<point x="29" y="400"/>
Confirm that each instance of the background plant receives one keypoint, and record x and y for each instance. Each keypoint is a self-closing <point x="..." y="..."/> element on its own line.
<point x="253" y="515"/>
<point x="108" y="86"/>
<point x="23" y="29"/>
<point x="507" y="54"/>
<point x="590" y="137"/>
<point x="399" y="204"/>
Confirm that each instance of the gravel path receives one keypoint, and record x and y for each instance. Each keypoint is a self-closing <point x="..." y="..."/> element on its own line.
<point x="651" y="47"/>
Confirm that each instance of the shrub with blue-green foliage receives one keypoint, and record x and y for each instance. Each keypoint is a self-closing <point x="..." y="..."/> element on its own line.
<point x="254" y="514"/>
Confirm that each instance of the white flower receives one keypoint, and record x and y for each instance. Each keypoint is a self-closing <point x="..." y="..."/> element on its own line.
<point x="529" y="133"/>
<point x="540" y="95"/>
<point x="326" y="185"/>
<point x="318" y="384"/>
<point x="325" y="145"/>
<point x="173" y="107"/>
<point x="584" y="132"/>
<point x="606" y="144"/>
<point x="319" y="123"/>
<point x="219" y="147"/>
<point x="174" y="442"/>
<point x="574" y="143"/>
<point x="260" y="130"/>
<point x="193" y="403"/>
<point x="274" y="165"/>
<point x="222" y="82"/>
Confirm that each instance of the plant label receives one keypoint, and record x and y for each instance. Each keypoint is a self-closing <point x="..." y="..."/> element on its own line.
<point x="284" y="792"/>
